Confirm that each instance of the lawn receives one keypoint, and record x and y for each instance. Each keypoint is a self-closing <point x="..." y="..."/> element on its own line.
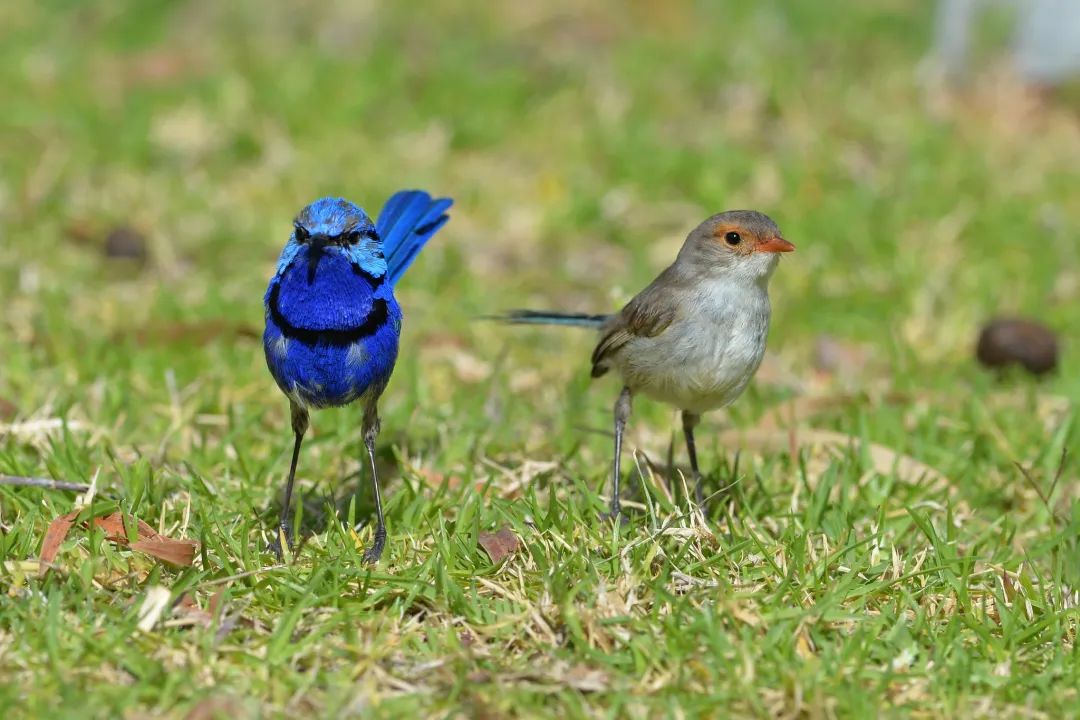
<point x="899" y="535"/>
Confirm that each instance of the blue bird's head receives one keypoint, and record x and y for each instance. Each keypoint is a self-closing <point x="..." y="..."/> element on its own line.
<point x="335" y="226"/>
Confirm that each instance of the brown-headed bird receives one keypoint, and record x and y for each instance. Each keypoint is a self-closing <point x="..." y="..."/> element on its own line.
<point x="693" y="338"/>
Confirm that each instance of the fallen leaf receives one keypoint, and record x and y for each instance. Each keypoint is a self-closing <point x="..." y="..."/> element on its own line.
<point x="804" y="646"/>
<point x="186" y="612"/>
<point x="21" y="566"/>
<point x="215" y="708"/>
<point x="583" y="678"/>
<point x="215" y="601"/>
<point x="19" y="571"/>
<point x="113" y="525"/>
<point x="499" y="545"/>
<point x="1008" y="586"/>
<point x="175" y="552"/>
<point x="153" y="606"/>
<point x="54" y="537"/>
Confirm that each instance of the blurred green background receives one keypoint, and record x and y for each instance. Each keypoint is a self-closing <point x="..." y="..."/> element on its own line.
<point x="154" y="154"/>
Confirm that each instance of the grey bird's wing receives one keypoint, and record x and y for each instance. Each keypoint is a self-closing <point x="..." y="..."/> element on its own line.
<point x="649" y="314"/>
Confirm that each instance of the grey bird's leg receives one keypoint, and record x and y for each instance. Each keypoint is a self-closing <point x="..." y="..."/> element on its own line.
<point x="689" y="422"/>
<point x="299" y="426"/>
<point x="371" y="431"/>
<point x="622" y="415"/>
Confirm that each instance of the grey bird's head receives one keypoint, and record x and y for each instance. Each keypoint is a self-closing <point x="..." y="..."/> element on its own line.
<point x="740" y="244"/>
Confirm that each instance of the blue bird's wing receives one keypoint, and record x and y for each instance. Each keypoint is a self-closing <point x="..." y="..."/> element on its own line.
<point x="406" y="223"/>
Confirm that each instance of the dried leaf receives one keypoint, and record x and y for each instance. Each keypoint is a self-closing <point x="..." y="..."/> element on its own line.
<point x="187" y="612"/>
<point x="19" y="571"/>
<point x="499" y="545"/>
<point x="215" y="708"/>
<point x="113" y="525"/>
<point x="153" y="606"/>
<point x="215" y="602"/>
<point x="1008" y="586"/>
<point x="175" y="552"/>
<point x="54" y="537"/>
<point x="804" y="646"/>
<point x="584" y="679"/>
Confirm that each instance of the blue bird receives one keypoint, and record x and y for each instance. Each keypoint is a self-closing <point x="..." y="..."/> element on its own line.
<point x="332" y="322"/>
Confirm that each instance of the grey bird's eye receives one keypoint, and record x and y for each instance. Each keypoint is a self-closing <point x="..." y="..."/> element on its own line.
<point x="733" y="238"/>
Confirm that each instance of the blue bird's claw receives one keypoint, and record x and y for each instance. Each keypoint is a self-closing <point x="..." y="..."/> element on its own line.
<point x="373" y="553"/>
<point x="282" y="542"/>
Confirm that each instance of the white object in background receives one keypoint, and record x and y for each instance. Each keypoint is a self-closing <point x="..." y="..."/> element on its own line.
<point x="1046" y="47"/>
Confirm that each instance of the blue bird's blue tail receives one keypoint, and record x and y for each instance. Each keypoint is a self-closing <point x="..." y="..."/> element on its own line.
<point x="406" y="223"/>
<point x="547" y="317"/>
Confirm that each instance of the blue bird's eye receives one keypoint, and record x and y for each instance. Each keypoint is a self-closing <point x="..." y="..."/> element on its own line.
<point x="301" y="234"/>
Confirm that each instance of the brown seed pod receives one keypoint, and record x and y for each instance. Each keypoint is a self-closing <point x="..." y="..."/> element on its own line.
<point x="1016" y="341"/>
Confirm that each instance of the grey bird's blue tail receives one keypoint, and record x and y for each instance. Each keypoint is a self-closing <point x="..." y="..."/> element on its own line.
<point x="406" y="223"/>
<point x="546" y="317"/>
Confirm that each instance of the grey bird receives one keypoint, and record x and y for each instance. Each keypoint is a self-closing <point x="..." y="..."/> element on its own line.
<point x="693" y="338"/>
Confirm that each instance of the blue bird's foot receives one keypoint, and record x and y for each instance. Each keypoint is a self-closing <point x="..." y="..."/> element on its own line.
<point x="374" y="553"/>
<point x="284" y="535"/>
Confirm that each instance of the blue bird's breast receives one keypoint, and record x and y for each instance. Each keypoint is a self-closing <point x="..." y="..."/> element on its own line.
<point x="331" y="330"/>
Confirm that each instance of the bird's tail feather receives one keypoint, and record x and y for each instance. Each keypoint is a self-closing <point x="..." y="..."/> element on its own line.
<point x="547" y="317"/>
<point x="406" y="223"/>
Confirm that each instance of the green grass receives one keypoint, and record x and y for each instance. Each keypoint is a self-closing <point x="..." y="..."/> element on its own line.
<point x="581" y="140"/>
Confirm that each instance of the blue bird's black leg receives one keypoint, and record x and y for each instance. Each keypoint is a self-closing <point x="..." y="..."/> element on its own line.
<point x="299" y="426"/>
<point x="371" y="431"/>
<point x="622" y="415"/>
<point x="689" y="422"/>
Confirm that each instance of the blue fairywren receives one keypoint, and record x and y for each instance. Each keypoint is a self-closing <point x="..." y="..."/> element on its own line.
<point x="332" y="322"/>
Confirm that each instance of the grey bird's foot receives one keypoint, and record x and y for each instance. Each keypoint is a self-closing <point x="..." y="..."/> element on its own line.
<point x="373" y="553"/>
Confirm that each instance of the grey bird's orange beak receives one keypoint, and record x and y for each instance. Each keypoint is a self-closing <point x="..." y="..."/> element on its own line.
<point x="776" y="245"/>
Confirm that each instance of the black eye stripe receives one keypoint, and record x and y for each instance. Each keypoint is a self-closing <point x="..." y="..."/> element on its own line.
<point x="350" y="237"/>
<point x="354" y="236"/>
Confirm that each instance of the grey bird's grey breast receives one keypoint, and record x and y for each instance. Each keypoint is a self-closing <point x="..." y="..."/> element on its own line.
<point x="705" y="356"/>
